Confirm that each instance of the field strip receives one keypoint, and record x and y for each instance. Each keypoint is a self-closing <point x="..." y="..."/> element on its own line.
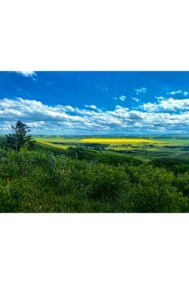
<point x="119" y="140"/>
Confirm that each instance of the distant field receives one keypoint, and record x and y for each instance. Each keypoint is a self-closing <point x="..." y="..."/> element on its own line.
<point x="50" y="141"/>
<point x="145" y="148"/>
<point x="118" y="140"/>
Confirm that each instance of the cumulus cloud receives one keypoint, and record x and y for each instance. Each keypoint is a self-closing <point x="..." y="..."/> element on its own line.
<point x="169" y="104"/>
<point x="68" y="119"/>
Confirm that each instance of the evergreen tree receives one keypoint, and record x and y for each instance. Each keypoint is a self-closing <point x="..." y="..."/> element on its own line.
<point x="20" y="137"/>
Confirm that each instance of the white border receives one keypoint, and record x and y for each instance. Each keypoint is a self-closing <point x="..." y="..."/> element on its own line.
<point x="94" y="248"/>
<point x="94" y="35"/>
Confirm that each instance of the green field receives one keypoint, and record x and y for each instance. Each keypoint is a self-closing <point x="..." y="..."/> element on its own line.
<point x="145" y="148"/>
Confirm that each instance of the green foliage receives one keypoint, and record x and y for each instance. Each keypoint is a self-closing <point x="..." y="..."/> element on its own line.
<point x="154" y="191"/>
<point x="43" y="181"/>
<point x="19" y="138"/>
<point x="11" y="197"/>
<point x="101" y="157"/>
<point x="174" y="164"/>
<point x="182" y="183"/>
<point x="107" y="184"/>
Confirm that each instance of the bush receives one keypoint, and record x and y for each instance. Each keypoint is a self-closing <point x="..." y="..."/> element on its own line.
<point x="107" y="184"/>
<point x="172" y="164"/>
<point x="40" y="181"/>
<point x="11" y="197"/>
<point x="154" y="191"/>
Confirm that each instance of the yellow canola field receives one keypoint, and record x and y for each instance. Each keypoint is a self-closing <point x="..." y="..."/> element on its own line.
<point x="118" y="140"/>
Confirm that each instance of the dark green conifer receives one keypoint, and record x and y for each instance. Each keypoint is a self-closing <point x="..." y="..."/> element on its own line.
<point x="20" y="137"/>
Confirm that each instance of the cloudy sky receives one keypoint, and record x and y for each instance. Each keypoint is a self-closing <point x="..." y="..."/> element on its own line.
<point x="95" y="102"/>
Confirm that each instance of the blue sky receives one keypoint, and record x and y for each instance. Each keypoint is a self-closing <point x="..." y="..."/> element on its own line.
<point x="96" y="102"/>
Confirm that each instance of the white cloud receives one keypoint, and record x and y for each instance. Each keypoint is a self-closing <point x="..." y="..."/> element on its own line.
<point x="66" y="108"/>
<point x="135" y="99"/>
<point x="30" y="74"/>
<point x="32" y="110"/>
<point x="36" y="124"/>
<point x="141" y="90"/>
<point x="91" y="106"/>
<point x="175" y="92"/>
<point x="178" y="92"/>
<point x="168" y="105"/>
<point x="122" y="98"/>
<point x="67" y="119"/>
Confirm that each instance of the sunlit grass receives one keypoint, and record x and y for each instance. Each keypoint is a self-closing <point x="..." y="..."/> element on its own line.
<point x="43" y="142"/>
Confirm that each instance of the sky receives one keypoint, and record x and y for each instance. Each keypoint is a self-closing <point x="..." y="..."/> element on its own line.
<point x="95" y="103"/>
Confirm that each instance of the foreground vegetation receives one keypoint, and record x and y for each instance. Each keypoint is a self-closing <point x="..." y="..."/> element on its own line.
<point x="43" y="181"/>
<point x="39" y="177"/>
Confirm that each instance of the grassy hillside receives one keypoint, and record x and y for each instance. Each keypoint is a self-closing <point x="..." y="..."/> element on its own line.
<point x="96" y="176"/>
<point x="51" y="179"/>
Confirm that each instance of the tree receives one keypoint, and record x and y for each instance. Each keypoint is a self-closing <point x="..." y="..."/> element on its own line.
<point x="19" y="138"/>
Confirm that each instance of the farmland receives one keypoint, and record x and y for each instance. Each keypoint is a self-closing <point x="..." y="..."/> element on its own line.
<point x="145" y="148"/>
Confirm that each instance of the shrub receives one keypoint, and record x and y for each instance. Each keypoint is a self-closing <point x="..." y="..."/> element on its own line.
<point x="154" y="191"/>
<point x="11" y="198"/>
